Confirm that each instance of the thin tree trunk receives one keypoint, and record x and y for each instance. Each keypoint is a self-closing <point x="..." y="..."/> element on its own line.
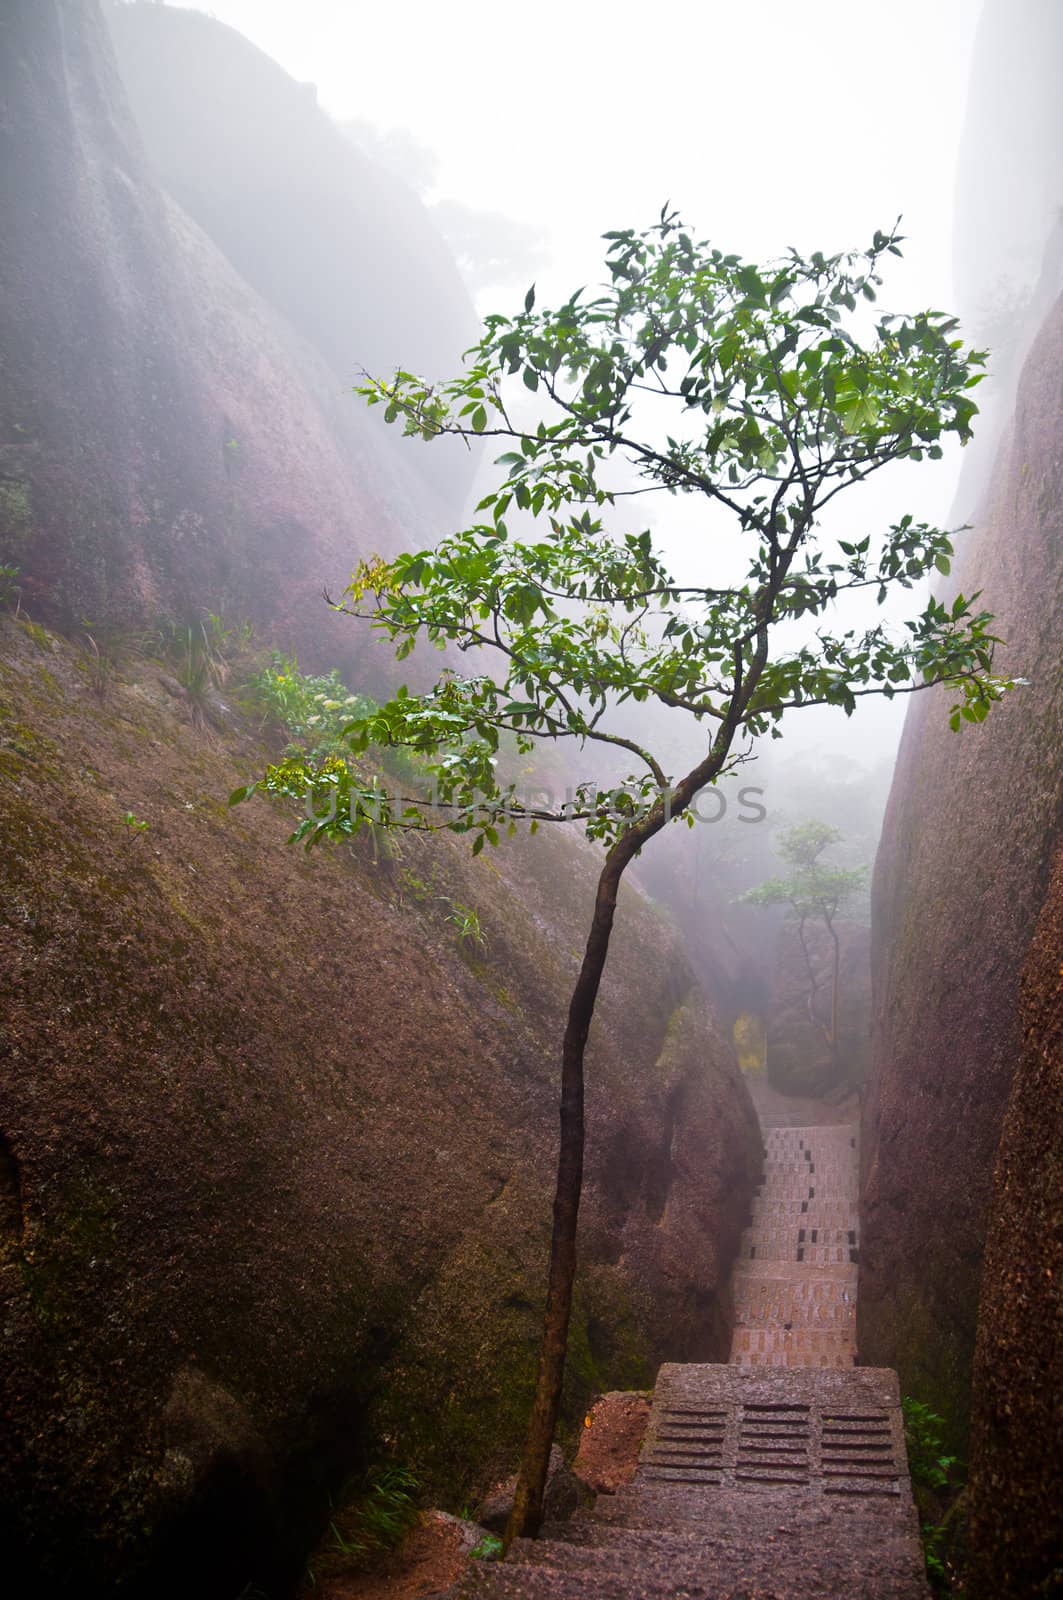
<point x="835" y="984"/>
<point x="813" y="982"/>
<point x="527" y="1513"/>
<point x="526" y="1517"/>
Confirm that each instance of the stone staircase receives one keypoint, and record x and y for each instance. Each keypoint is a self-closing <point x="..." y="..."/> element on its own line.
<point x="780" y="1475"/>
<point x="795" y="1281"/>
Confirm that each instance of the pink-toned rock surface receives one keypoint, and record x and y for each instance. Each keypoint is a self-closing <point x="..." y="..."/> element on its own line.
<point x="1016" y="1424"/>
<point x="971" y="828"/>
<point x="277" y="1149"/>
<point x="168" y="438"/>
<point x="611" y="1439"/>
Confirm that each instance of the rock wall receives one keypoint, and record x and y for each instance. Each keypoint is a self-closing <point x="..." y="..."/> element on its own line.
<point x="168" y="439"/>
<point x="963" y="1208"/>
<point x="276" y="1148"/>
<point x="1008" y="218"/>
<point x="339" y="247"/>
<point x="972" y="826"/>
<point x="1016" y="1434"/>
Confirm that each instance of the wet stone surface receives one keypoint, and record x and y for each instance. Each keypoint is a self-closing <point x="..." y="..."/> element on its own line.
<point x="782" y="1474"/>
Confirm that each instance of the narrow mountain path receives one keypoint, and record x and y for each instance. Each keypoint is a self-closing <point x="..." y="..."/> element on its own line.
<point x="782" y="1474"/>
<point x="795" y="1282"/>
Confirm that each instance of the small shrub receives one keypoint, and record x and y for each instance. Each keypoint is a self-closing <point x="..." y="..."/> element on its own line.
<point x="9" y="589"/>
<point x="460" y="916"/>
<point x="201" y="655"/>
<point x="467" y="922"/>
<point x="939" y="1477"/>
<point x="489" y="1548"/>
<point x="924" y="1432"/>
<point x="313" y="710"/>
<point x="380" y="1512"/>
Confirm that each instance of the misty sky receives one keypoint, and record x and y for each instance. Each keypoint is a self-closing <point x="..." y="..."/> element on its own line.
<point x="769" y="122"/>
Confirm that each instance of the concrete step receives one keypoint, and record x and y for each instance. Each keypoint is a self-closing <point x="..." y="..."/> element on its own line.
<point x="780" y="1476"/>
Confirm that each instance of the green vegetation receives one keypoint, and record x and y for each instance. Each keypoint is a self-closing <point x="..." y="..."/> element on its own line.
<point x="379" y="1511"/>
<point x="318" y="713"/>
<point x="313" y="710"/>
<point x="16" y="514"/>
<point x="135" y="824"/>
<point x="201" y="655"/>
<point x="924" y="1433"/>
<point x="489" y="1548"/>
<point x="814" y="892"/>
<point x="763" y="391"/>
<point x="35" y="631"/>
<point x="9" y="591"/>
<point x="936" y="1473"/>
<point x="462" y="917"/>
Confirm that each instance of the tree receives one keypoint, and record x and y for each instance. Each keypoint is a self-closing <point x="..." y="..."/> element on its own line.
<point x="814" y="891"/>
<point x="765" y="391"/>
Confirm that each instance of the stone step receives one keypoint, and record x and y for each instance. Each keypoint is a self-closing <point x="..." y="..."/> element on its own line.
<point x="816" y="1341"/>
<point x="780" y="1475"/>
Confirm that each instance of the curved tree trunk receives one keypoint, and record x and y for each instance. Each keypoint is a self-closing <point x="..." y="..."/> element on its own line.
<point x="527" y="1513"/>
<point x="835" y="985"/>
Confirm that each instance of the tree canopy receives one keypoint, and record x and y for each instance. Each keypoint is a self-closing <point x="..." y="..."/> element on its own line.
<point x="765" y="390"/>
<point x="814" y="887"/>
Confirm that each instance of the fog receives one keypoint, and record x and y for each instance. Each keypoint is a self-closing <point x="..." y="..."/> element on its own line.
<point x="530" y="132"/>
<point x="767" y="125"/>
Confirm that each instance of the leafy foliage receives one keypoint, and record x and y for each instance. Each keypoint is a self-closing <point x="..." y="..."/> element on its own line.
<point x="9" y="590"/>
<point x="924" y="1435"/>
<point x="935" y="1471"/>
<point x="762" y="390"/>
<point x="381" y="1511"/>
<point x="813" y="888"/>
<point x="314" y="710"/>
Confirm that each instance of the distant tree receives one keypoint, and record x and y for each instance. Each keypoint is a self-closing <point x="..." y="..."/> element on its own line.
<point x="765" y="392"/>
<point x="813" y="892"/>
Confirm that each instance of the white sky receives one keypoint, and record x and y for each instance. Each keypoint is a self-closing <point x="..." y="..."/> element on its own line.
<point x="767" y="122"/>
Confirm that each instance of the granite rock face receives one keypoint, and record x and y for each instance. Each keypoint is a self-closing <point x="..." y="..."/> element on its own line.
<point x="340" y="249"/>
<point x="971" y="829"/>
<point x="277" y="1147"/>
<point x="1016" y="1426"/>
<point x="170" y="438"/>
